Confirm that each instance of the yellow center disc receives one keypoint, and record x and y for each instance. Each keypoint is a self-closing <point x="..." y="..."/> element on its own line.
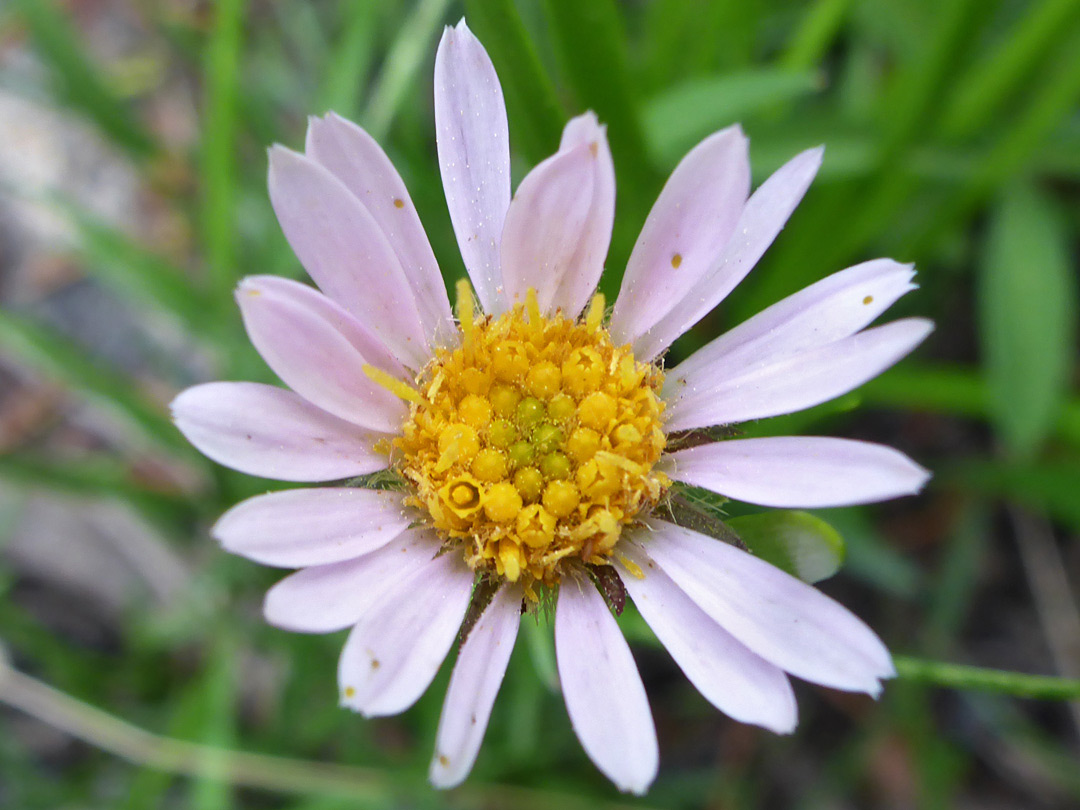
<point x="533" y="443"/>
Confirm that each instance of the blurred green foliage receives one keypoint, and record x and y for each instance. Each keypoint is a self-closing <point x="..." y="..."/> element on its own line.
<point x="953" y="140"/>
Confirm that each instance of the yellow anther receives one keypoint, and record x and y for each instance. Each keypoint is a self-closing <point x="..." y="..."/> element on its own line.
<point x="461" y="496"/>
<point x="475" y="411"/>
<point x="555" y="465"/>
<point x="632" y="567"/>
<point x="561" y="407"/>
<point x="597" y="410"/>
<point x="535" y="526"/>
<point x="529" y="482"/>
<point x="504" y="400"/>
<point x="392" y="384"/>
<point x="529" y="412"/>
<point x="583" y="444"/>
<point x="598" y="479"/>
<point x="509" y="361"/>
<point x="561" y="498"/>
<point x="502" y="502"/>
<point x="489" y="465"/>
<point x="543" y="379"/>
<point x="510" y="560"/>
<point x="582" y="370"/>
<point x="521" y="453"/>
<point x="595" y="315"/>
<point x="532" y="306"/>
<point x="457" y="442"/>
<point x="626" y="434"/>
<point x="465" y="313"/>
<point x="547" y="438"/>
<point x="501" y="433"/>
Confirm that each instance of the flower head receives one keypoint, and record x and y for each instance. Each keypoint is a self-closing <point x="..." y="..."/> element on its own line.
<point x="529" y="441"/>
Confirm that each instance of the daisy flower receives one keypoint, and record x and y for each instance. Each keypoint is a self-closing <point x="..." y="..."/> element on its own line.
<point x="530" y="443"/>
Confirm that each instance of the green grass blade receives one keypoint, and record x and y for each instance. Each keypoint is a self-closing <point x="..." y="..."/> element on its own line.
<point x="592" y="46"/>
<point x="57" y="357"/>
<point x="819" y="27"/>
<point x="982" y="90"/>
<point x="684" y="114"/>
<point x="536" y="117"/>
<point x="951" y="390"/>
<point x="97" y="478"/>
<point x="77" y="81"/>
<point x="219" y="144"/>
<point x="410" y="50"/>
<point x="1052" y="101"/>
<point x="136" y="272"/>
<point x="1027" y="323"/>
<point x="981" y="679"/>
<point x="350" y="60"/>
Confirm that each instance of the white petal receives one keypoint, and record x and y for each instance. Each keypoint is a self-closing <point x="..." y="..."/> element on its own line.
<point x="274" y="433"/>
<point x="325" y="598"/>
<point x="764" y="215"/>
<point x="548" y="222"/>
<point x="756" y="391"/>
<point x="804" y="472"/>
<point x="359" y="162"/>
<point x="478" y="674"/>
<point x="301" y="527"/>
<point x="684" y="234"/>
<point x="834" y="308"/>
<point x="578" y="285"/>
<point x="603" y="691"/>
<point x="319" y="350"/>
<point x="739" y="683"/>
<point x="782" y="619"/>
<point x="474" y="155"/>
<point x="344" y="250"/>
<point x="396" y="648"/>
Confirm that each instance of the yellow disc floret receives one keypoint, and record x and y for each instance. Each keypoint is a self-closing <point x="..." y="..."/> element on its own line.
<point x="533" y="443"/>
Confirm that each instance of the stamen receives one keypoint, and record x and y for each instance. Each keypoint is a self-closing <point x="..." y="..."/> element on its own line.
<point x="532" y="306"/>
<point x="392" y="384"/>
<point x="465" y="313"/>
<point x="596" y="313"/>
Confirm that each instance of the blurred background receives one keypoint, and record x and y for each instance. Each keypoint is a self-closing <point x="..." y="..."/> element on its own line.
<point x="132" y="198"/>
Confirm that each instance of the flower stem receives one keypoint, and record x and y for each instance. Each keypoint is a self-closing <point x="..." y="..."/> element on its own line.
<point x="981" y="679"/>
<point x="262" y="771"/>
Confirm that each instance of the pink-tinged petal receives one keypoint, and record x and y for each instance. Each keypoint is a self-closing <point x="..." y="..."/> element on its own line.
<point x="578" y="285"/>
<point x="474" y="155"/>
<point x="799" y="472"/>
<point x="739" y="683"/>
<point x="397" y="647"/>
<point x="684" y="234"/>
<point x="301" y="527"/>
<point x="782" y="619"/>
<point x="761" y="220"/>
<point x="326" y="598"/>
<point x="548" y="222"/>
<point x="757" y="391"/>
<point x="359" y="162"/>
<point x="478" y="674"/>
<point x="319" y="350"/>
<point x="345" y="251"/>
<point x="834" y="308"/>
<point x="274" y="433"/>
<point x="603" y="691"/>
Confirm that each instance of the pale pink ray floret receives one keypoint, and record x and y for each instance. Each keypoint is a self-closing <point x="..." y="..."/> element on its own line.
<point x="737" y="626"/>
